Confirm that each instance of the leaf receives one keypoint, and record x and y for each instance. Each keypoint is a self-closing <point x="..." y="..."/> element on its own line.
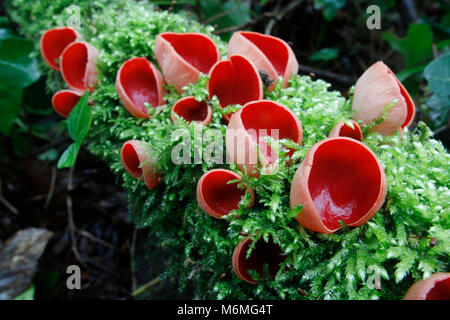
<point x="329" y="7"/>
<point x="69" y="156"/>
<point x="325" y="54"/>
<point x="27" y="294"/>
<point x="18" y="260"/>
<point x="80" y="119"/>
<point x="405" y="74"/>
<point x="416" y="47"/>
<point x="437" y="74"/>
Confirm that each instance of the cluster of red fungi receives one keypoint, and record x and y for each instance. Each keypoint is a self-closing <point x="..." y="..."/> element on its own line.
<point x="340" y="178"/>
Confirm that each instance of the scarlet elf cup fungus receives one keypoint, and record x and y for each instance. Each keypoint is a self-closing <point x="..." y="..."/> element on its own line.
<point x="343" y="129"/>
<point x="264" y="253"/>
<point x="436" y="287"/>
<point x="340" y="179"/>
<point x="249" y="127"/>
<point x="183" y="56"/>
<point x="268" y="53"/>
<point x="54" y="41"/>
<point x="235" y="81"/>
<point x="216" y="196"/>
<point x="190" y="110"/>
<point x="78" y="66"/>
<point x="135" y="156"/>
<point x="379" y="91"/>
<point x="139" y="82"/>
<point x="64" y="101"/>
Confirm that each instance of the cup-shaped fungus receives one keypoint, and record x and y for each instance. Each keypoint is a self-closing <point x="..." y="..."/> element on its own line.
<point x="235" y="81"/>
<point x="54" y="41"/>
<point x="78" y="66"/>
<point x="379" y="94"/>
<point x="436" y="287"/>
<point x="263" y="254"/>
<point x="139" y="82"/>
<point x="269" y="54"/>
<point x="64" y="101"/>
<point x="343" y="129"/>
<point x="183" y="56"/>
<point x="135" y="156"/>
<point x="340" y="179"/>
<point x="190" y="110"/>
<point x="248" y="129"/>
<point x="216" y="196"/>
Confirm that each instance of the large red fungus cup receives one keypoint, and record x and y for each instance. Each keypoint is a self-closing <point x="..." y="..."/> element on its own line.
<point x="377" y="89"/>
<point x="64" y="101"/>
<point x="78" y="66"/>
<point x="235" y="81"/>
<point x="247" y="131"/>
<point x="268" y="53"/>
<point x="342" y="129"/>
<point x="135" y="156"/>
<point x="436" y="287"/>
<point x="183" y="56"/>
<point x="54" y="41"/>
<point x="340" y="179"/>
<point x="216" y="196"/>
<point x="264" y="253"/>
<point x="190" y="109"/>
<point x="139" y="82"/>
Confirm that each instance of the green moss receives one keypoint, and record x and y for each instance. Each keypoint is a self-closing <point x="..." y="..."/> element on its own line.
<point x="394" y="244"/>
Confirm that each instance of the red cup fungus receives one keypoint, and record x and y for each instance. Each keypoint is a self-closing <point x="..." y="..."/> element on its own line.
<point x="139" y="82"/>
<point x="340" y="179"/>
<point x="264" y="253"/>
<point x="182" y="56"/>
<point x="377" y="89"/>
<point x="64" y="101"/>
<point x="54" y="41"/>
<point x="269" y="54"/>
<point x="235" y="81"/>
<point x="192" y="110"/>
<point x="78" y="66"/>
<point x="342" y="129"/>
<point x="216" y="196"/>
<point x="135" y="156"/>
<point x="248" y="128"/>
<point x="436" y="287"/>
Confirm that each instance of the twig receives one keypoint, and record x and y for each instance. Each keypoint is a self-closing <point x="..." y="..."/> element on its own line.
<point x="42" y="149"/>
<point x="132" y="261"/>
<point x="247" y="24"/>
<point x="51" y="189"/>
<point x="6" y="203"/>
<point x="146" y="286"/>
<point x="346" y="80"/>
<point x="90" y="236"/>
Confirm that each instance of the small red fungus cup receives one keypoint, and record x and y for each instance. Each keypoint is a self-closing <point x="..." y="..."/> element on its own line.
<point x="248" y="129"/>
<point x="78" y="66"/>
<point x="190" y="110"/>
<point x="54" y="41"/>
<point x="139" y="82"/>
<point x="340" y="179"/>
<point x="436" y="287"/>
<point x="64" y="101"/>
<point x="235" y="81"/>
<point x="183" y="56"/>
<point x="264" y="253"/>
<point x="269" y="54"/>
<point x="342" y="129"/>
<point x="135" y="156"/>
<point x="377" y="89"/>
<point x="216" y="196"/>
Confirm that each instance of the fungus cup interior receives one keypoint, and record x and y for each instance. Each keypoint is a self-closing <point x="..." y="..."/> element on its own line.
<point x="197" y="50"/>
<point x="131" y="160"/>
<point x="54" y="42"/>
<point x="354" y="133"/>
<point x="440" y="291"/>
<point x="344" y="182"/>
<point x="191" y="110"/>
<point x="261" y="118"/>
<point x="264" y="253"/>
<point x="234" y="81"/>
<point x="64" y="102"/>
<point x="274" y="49"/>
<point x="408" y="100"/>
<point x="139" y="82"/>
<point x="219" y="195"/>
<point x="74" y="61"/>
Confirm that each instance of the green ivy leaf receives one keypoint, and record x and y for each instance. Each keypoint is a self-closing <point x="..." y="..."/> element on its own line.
<point x="69" y="156"/>
<point x="79" y="120"/>
<point x="330" y="7"/>
<point x="325" y="54"/>
<point x="437" y="74"/>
